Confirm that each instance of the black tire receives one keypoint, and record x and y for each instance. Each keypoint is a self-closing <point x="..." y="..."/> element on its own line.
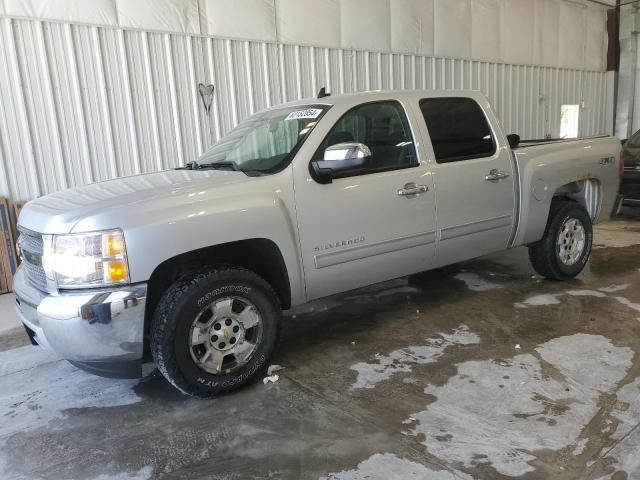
<point x="545" y="254"/>
<point x="179" y="307"/>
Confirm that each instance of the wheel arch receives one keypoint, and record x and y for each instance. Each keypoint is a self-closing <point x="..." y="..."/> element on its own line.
<point x="260" y="255"/>
<point x="585" y="192"/>
<point x="537" y="205"/>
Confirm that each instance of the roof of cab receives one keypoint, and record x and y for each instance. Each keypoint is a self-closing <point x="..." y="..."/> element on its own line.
<point x="355" y="98"/>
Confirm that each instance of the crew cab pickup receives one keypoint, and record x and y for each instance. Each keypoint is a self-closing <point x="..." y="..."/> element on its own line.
<point x="192" y="267"/>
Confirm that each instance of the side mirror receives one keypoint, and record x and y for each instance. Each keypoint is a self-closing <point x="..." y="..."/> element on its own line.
<point x="340" y="160"/>
<point x="514" y="140"/>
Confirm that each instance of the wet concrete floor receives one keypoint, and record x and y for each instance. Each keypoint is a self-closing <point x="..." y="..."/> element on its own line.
<point x="480" y="370"/>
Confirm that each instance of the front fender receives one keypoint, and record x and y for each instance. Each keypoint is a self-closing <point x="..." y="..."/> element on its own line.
<point x="162" y="229"/>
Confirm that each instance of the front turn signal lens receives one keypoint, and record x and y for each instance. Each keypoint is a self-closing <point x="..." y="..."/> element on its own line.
<point x="115" y="271"/>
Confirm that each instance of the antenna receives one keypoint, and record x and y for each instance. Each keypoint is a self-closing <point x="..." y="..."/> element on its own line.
<point x="323" y="93"/>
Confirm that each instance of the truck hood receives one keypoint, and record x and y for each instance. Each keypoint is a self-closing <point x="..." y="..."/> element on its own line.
<point x="59" y="212"/>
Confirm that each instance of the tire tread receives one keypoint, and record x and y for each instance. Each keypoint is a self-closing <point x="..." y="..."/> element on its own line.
<point x="542" y="253"/>
<point x="163" y="321"/>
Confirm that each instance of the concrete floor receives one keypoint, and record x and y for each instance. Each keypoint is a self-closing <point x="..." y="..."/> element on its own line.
<point x="481" y="370"/>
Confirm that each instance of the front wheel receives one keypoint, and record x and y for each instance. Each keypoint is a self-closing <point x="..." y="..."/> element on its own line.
<point x="566" y="245"/>
<point x="214" y="332"/>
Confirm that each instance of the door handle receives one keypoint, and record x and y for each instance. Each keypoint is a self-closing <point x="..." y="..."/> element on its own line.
<point x="411" y="190"/>
<point x="496" y="175"/>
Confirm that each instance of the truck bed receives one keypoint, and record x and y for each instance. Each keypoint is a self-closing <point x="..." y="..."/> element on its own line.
<point x="586" y="169"/>
<point x="546" y="141"/>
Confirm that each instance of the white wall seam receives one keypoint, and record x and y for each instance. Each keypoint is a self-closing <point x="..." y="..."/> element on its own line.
<point x="265" y="75"/>
<point x="296" y="57"/>
<point x="130" y="115"/>
<point x="173" y="95"/>
<point x="212" y="77"/>
<point x="153" y="117"/>
<point x="51" y="111"/>
<point x="106" y="110"/>
<point x="22" y="119"/>
<point x="327" y="69"/>
<point x="200" y="145"/>
<point x="7" y="146"/>
<point x="249" y="86"/>
<point x="281" y="69"/>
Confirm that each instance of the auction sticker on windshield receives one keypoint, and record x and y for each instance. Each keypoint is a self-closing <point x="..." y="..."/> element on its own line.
<point x="308" y="113"/>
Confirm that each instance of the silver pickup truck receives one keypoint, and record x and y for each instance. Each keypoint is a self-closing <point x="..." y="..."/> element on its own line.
<point x="192" y="267"/>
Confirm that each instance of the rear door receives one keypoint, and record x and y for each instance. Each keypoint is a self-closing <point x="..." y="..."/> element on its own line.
<point x="473" y="175"/>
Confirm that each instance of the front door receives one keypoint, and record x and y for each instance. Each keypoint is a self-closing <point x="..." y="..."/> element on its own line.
<point x="371" y="226"/>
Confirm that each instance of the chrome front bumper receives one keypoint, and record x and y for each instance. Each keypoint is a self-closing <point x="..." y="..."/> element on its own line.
<point x="100" y="331"/>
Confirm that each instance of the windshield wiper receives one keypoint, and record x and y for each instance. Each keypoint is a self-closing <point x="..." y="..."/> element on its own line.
<point x="213" y="165"/>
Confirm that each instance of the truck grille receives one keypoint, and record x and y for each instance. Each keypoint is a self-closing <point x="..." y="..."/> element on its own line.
<point x="32" y="248"/>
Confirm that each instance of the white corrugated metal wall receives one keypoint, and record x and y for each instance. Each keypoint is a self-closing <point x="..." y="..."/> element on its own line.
<point x="86" y="103"/>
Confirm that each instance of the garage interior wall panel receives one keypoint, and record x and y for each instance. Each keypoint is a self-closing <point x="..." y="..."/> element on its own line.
<point x="485" y="30"/>
<point x="241" y="19"/>
<point x="365" y="24"/>
<point x="571" y="44"/>
<point x="412" y="26"/>
<point x="98" y="12"/>
<point x="308" y="22"/>
<point x="517" y="32"/>
<point x="452" y="35"/>
<point x="546" y="33"/>
<point x="164" y="15"/>
<point x="596" y="34"/>
<point x="84" y="103"/>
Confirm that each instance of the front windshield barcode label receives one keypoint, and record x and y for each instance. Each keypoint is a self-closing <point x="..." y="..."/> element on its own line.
<point x="308" y="113"/>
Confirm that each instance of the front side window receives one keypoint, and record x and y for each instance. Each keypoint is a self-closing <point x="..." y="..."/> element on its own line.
<point x="458" y="129"/>
<point x="265" y="142"/>
<point x="381" y="126"/>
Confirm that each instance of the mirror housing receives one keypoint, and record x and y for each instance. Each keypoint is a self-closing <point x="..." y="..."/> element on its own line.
<point x="340" y="160"/>
<point x="514" y="140"/>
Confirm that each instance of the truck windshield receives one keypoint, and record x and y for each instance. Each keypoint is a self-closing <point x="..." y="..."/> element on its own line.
<point x="265" y="142"/>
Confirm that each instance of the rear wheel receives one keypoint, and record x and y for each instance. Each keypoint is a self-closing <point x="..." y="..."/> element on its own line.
<point x="565" y="248"/>
<point x="214" y="332"/>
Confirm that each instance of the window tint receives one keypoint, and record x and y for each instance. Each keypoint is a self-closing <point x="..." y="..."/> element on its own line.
<point x="458" y="129"/>
<point x="381" y="126"/>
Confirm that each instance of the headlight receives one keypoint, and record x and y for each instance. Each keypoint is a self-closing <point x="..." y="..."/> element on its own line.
<point x="87" y="260"/>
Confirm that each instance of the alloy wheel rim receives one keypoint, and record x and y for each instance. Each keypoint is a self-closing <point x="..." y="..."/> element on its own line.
<point x="571" y="241"/>
<point x="225" y="335"/>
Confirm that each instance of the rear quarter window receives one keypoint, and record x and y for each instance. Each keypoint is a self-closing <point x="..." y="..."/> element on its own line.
<point x="458" y="129"/>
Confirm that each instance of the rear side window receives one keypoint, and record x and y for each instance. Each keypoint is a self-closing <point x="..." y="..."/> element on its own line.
<point x="458" y="129"/>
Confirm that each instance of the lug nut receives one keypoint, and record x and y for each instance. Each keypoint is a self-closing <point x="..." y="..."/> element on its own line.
<point x="227" y="322"/>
